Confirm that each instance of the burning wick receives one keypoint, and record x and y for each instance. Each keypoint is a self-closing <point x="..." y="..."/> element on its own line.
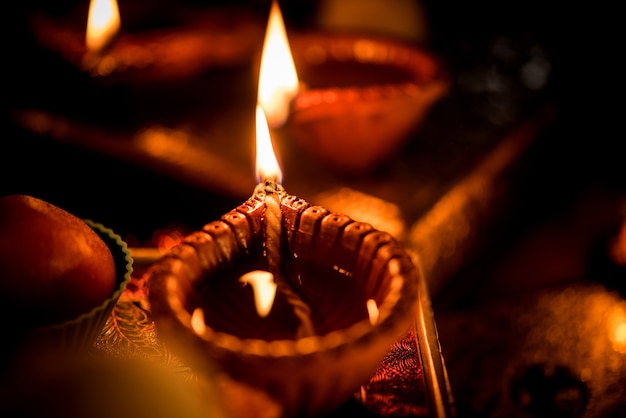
<point x="270" y="191"/>
<point x="264" y="288"/>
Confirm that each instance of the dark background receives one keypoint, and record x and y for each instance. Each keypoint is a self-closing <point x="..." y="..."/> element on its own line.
<point x="494" y="312"/>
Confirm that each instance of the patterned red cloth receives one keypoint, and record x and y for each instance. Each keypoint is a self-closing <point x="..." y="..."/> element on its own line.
<point x="397" y="387"/>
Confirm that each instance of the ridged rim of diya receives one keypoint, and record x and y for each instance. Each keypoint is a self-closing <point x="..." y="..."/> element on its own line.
<point x="377" y="258"/>
<point x="427" y="77"/>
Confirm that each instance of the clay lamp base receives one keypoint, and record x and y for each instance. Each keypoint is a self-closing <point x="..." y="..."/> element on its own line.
<point x="192" y="42"/>
<point x="363" y="97"/>
<point x="345" y="293"/>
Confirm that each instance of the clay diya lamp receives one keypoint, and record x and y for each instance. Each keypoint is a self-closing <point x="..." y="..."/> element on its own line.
<point x="362" y="97"/>
<point x="142" y="44"/>
<point x="285" y="297"/>
<point x="343" y="293"/>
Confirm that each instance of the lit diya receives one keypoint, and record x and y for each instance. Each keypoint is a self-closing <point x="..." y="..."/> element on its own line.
<point x="364" y="97"/>
<point x="281" y="295"/>
<point x="141" y="44"/>
<point x="286" y="297"/>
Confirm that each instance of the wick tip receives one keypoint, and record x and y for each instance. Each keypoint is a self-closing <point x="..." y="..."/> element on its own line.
<point x="268" y="186"/>
<point x="272" y="186"/>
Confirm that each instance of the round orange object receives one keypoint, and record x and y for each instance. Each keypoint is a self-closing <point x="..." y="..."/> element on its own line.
<point x="53" y="266"/>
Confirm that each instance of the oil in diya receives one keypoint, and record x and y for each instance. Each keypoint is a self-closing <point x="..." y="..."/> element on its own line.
<point x="341" y="293"/>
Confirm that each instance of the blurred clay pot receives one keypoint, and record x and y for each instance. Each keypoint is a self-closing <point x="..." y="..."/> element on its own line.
<point x="362" y="97"/>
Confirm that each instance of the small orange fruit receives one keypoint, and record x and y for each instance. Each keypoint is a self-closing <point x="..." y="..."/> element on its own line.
<point x="53" y="266"/>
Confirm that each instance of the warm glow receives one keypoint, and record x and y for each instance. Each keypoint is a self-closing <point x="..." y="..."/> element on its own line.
<point x="264" y="289"/>
<point x="619" y="334"/>
<point x="278" y="80"/>
<point x="618" y="247"/>
<point x="617" y="329"/>
<point x="266" y="163"/>
<point x="165" y="239"/>
<point x="197" y="321"/>
<point x="103" y="23"/>
<point x="372" y="311"/>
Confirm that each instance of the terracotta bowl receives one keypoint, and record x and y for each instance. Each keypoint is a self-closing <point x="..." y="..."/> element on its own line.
<point x="332" y="264"/>
<point x="362" y="97"/>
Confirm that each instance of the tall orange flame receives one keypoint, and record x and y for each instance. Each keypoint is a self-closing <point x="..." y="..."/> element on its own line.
<point x="278" y="79"/>
<point x="103" y="23"/>
<point x="267" y="167"/>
